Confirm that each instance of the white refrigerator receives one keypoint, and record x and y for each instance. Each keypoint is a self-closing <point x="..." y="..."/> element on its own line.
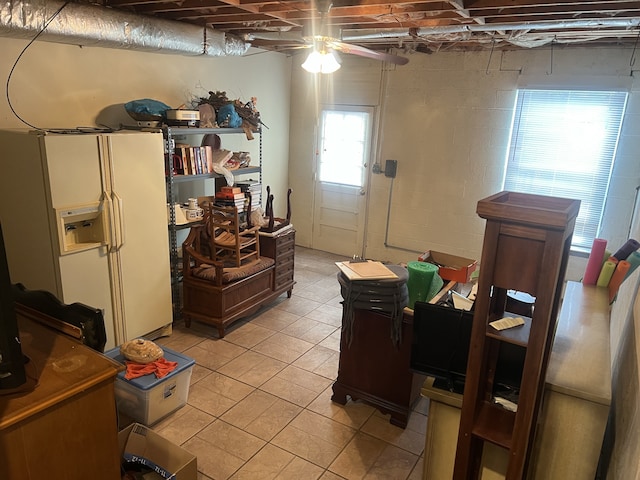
<point x="84" y="217"/>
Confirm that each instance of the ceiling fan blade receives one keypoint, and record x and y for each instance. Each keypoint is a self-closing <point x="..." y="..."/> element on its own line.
<point x="365" y="52"/>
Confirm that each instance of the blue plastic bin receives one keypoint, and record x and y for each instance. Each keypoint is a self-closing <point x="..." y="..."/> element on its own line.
<point x="148" y="399"/>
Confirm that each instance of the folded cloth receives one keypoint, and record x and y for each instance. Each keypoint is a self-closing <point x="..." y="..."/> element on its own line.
<point x="160" y="367"/>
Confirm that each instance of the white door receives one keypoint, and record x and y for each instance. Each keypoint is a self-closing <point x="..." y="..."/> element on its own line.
<point x="343" y="155"/>
<point x="140" y="263"/>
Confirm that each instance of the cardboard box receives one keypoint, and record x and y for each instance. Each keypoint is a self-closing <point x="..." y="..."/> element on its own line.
<point x="148" y="399"/>
<point x="450" y="267"/>
<point x="142" y="445"/>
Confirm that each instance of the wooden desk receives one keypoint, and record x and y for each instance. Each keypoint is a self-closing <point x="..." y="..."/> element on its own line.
<point x="574" y="410"/>
<point x="67" y="427"/>
<point x="375" y="370"/>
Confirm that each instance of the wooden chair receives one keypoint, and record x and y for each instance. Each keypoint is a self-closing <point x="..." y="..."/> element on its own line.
<point x="229" y="242"/>
<point x="219" y="295"/>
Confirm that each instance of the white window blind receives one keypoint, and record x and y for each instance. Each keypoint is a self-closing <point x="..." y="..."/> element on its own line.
<point x="563" y="144"/>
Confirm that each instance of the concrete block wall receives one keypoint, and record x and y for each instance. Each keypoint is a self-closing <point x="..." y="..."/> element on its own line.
<point x="446" y="118"/>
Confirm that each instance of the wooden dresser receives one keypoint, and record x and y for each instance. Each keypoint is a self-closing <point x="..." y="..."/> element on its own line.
<point x="280" y="247"/>
<point x="375" y="370"/>
<point x="67" y="426"/>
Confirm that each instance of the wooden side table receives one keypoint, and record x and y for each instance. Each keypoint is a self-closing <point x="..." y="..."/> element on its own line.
<point x="526" y="248"/>
<point x="282" y="249"/>
<point x="67" y="427"/>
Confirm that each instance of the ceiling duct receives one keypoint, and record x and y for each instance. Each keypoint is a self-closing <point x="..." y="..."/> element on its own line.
<point x="625" y="23"/>
<point x="90" y="25"/>
<point x="575" y="30"/>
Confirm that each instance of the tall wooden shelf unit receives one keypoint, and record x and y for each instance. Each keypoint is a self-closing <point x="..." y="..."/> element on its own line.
<point x="170" y="134"/>
<point x="526" y="248"/>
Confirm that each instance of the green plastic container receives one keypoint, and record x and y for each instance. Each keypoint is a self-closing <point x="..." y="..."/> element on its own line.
<point x="424" y="282"/>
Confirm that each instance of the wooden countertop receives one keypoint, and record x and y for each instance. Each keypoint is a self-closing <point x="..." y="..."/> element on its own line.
<point x="580" y="362"/>
<point x="62" y="366"/>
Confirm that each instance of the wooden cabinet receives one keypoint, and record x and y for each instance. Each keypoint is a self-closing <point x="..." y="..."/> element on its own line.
<point x="526" y="248"/>
<point x="376" y="370"/>
<point x="67" y="426"/>
<point x="282" y="249"/>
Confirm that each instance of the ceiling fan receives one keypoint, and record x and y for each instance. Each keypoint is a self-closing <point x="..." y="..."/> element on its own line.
<point x="323" y="60"/>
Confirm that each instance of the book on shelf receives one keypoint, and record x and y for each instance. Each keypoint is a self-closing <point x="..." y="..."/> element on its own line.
<point x="178" y="160"/>
<point x="231" y="190"/>
<point x="208" y="155"/>
<point x="230" y="203"/>
<point x="196" y="160"/>
<point x="253" y="188"/>
<point x="190" y="168"/>
<point x="230" y="196"/>
<point x="249" y="185"/>
<point x="190" y="160"/>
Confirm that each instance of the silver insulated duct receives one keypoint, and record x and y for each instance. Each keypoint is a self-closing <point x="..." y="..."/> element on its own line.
<point x="89" y="25"/>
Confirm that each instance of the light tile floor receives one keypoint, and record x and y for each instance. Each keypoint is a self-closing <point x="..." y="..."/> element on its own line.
<point x="259" y="404"/>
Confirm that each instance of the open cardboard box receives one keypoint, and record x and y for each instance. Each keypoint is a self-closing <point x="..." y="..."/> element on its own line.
<point x="450" y="267"/>
<point x="142" y="445"/>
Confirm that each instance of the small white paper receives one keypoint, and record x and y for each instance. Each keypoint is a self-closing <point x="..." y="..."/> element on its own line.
<point x="507" y="322"/>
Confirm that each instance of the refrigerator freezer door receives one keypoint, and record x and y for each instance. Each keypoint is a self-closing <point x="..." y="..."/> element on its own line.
<point x="141" y="248"/>
<point x="85" y="278"/>
<point x="74" y="177"/>
<point x="73" y="166"/>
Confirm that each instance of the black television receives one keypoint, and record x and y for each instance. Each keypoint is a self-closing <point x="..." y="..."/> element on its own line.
<point x="12" y="370"/>
<point x="440" y="349"/>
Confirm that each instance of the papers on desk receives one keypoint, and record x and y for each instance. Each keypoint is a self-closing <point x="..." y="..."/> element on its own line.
<point x="368" y="270"/>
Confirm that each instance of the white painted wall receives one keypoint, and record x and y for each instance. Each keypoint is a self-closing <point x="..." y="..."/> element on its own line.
<point x="446" y="118"/>
<point x="57" y="85"/>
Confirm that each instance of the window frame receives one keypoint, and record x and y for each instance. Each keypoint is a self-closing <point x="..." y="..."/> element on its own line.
<point x="545" y="120"/>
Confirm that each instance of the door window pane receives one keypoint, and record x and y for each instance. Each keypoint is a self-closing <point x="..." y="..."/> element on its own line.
<point x="343" y="147"/>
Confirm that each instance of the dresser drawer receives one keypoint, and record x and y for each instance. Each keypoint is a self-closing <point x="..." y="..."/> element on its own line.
<point x="286" y="266"/>
<point x="283" y="240"/>
<point x="283" y="279"/>
<point x="286" y="249"/>
<point x="285" y="259"/>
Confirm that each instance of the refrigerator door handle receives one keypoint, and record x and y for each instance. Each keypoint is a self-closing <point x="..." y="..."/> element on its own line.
<point x="108" y="212"/>
<point x="118" y="220"/>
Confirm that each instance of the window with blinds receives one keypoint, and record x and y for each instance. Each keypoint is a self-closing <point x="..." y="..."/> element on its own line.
<point x="563" y="144"/>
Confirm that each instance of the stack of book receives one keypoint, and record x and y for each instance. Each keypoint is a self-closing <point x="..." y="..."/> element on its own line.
<point x="188" y="160"/>
<point x="254" y="188"/>
<point x="230" y="197"/>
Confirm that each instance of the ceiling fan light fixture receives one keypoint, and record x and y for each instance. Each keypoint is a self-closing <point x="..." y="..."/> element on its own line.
<point x="321" y="62"/>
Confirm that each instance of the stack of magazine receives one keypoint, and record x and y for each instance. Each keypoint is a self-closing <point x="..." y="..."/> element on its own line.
<point x="254" y="188"/>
